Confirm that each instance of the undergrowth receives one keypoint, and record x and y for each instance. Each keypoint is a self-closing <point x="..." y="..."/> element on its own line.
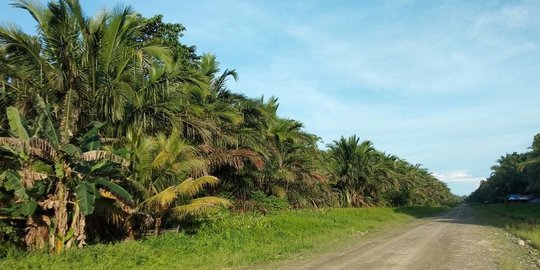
<point x="228" y="240"/>
<point x="523" y="220"/>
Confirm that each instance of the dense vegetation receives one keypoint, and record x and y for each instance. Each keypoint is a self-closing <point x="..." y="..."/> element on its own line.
<point x="516" y="173"/>
<point x="112" y="127"/>
<point x="231" y="240"/>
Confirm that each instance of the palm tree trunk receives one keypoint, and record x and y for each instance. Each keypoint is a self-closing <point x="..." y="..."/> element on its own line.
<point x="157" y="229"/>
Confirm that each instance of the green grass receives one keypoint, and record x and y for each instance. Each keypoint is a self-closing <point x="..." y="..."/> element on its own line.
<point x="228" y="240"/>
<point x="523" y="220"/>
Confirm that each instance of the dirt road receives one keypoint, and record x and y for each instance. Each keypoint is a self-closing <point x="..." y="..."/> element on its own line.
<point x="451" y="241"/>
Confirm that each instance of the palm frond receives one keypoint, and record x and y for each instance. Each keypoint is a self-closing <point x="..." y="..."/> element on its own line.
<point x="28" y="177"/>
<point x="190" y="167"/>
<point x="70" y="115"/>
<point x="192" y="187"/>
<point x="199" y="206"/>
<point x="161" y="201"/>
<point x="521" y="166"/>
<point x="94" y="155"/>
<point x="107" y="211"/>
<point x="36" y="9"/>
<point x="34" y="147"/>
<point x="218" y="156"/>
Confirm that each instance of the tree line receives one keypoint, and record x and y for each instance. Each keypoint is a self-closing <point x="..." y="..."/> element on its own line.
<point x="515" y="173"/>
<point x="111" y="125"/>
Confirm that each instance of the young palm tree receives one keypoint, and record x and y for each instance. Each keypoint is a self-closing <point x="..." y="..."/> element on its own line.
<point x="177" y="201"/>
<point x="158" y="169"/>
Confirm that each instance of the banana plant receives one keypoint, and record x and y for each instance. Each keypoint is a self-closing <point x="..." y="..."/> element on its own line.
<point x="50" y="170"/>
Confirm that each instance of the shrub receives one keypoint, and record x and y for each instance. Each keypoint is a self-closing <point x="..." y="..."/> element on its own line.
<point x="265" y="203"/>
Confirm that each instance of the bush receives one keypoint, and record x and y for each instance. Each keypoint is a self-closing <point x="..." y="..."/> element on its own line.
<point x="8" y="238"/>
<point x="265" y="203"/>
<point x="398" y="198"/>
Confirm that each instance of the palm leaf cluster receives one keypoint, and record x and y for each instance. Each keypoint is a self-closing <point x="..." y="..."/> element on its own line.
<point x="515" y="173"/>
<point x="113" y="126"/>
<point x="365" y="176"/>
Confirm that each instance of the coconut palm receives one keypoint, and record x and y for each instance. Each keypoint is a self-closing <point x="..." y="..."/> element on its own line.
<point x="94" y="58"/>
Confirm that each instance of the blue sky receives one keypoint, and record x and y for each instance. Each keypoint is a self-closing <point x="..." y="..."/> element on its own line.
<point x="452" y="85"/>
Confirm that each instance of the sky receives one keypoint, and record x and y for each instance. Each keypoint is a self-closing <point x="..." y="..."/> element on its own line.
<point x="452" y="85"/>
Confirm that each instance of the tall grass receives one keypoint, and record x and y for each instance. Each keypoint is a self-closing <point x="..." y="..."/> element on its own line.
<point x="227" y="240"/>
<point x="523" y="220"/>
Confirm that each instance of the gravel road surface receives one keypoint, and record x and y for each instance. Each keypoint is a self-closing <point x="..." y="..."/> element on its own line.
<point x="451" y="241"/>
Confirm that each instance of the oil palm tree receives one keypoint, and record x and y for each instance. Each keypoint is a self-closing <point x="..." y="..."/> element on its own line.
<point x="355" y="166"/>
<point x="177" y="201"/>
<point x="160" y="171"/>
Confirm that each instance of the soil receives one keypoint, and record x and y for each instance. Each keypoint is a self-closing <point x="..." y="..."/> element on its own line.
<point x="455" y="240"/>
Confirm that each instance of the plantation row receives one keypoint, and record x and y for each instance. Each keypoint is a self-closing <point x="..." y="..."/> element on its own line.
<point x="515" y="173"/>
<point x="112" y="127"/>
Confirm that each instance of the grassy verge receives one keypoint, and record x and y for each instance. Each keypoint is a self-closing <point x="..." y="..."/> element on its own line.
<point x="522" y="220"/>
<point x="228" y="240"/>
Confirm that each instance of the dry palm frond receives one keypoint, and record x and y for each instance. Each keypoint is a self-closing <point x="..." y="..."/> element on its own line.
<point x="100" y="154"/>
<point x="233" y="157"/>
<point x="34" y="147"/>
<point x="41" y="148"/>
<point x="14" y="143"/>
<point x="29" y="177"/>
<point x="37" y="232"/>
<point x="191" y="187"/>
<point x="199" y="206"/>
<point x="48" y="203"/>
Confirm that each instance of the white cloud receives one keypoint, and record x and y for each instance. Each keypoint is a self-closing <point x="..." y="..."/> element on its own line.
<point x="458" y="177"/>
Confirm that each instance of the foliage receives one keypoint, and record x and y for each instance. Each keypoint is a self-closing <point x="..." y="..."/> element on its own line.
<point x="366" y="176"/>
<point x="231" y="240"/>
<point x="155" y="31"/>
<point x="516" y="173"/>
<point x="177" y="202"/>
<point x="44" y="171"/>
<point x="114" y="126"/>
<point x="268" y="203"/>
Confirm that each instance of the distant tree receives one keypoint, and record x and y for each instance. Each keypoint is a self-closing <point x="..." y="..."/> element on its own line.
<point x="155" y="31"/>
<point x="513" y="173"/>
